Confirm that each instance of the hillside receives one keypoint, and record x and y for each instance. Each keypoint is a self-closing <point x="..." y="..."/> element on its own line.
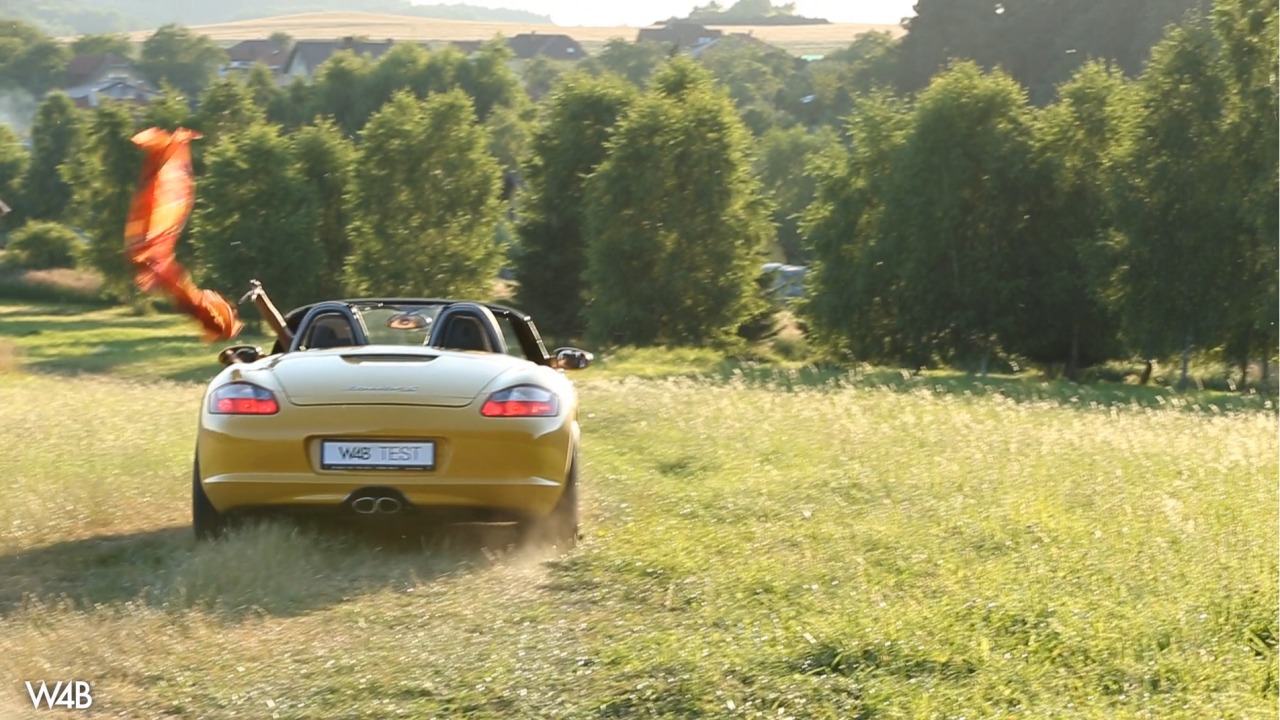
<point x="71" y="17"/>
<point x="797" y="39"/>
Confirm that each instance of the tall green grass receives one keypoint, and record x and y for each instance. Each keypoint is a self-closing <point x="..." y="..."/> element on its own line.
<point x="839" y="551"/>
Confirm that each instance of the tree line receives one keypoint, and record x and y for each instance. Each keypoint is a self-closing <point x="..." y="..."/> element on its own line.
<point x="1130" y="217"/>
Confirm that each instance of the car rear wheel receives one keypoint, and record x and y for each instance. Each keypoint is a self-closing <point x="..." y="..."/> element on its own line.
<point x="208" y="523"/>
<point x="560" y="526"/>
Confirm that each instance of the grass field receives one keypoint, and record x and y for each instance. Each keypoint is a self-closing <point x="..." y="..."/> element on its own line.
<point x="797" y="39"/>
<point x="755" y="547"/>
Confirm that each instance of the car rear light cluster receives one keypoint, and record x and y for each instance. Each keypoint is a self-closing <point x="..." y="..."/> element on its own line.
<point x="521" y="401"/>
<point x="241" y="398"/>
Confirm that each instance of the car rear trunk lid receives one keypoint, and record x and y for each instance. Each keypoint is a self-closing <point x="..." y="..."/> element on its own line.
<point x="386" y="376"/>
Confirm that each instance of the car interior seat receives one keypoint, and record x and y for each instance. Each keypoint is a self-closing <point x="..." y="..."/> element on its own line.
<point x="465" y="333"/>
<point x="467" y="326"/>
<point x="330" y="332"/>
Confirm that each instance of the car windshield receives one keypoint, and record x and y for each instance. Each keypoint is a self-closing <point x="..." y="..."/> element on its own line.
<point x="398" y="325"/>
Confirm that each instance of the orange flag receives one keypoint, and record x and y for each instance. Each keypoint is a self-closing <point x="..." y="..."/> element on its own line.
<point x="157" y="216"/>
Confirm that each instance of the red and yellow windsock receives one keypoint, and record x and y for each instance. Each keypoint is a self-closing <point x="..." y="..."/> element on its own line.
<point x="157" y="216"/>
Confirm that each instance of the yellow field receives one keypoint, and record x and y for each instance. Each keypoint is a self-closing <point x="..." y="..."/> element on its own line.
<point x="798" y="39"/>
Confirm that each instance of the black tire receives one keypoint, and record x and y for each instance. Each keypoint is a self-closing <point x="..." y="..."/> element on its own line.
<point x="560" y="526"/>
<point x="206" y="521"/>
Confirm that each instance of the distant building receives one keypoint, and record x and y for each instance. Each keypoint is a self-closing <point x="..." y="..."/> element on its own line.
<point x="527" y="46"/>
<point x="84" y="70"/>
<point x="307" y="55"/>
<point x="244" y="55"/>
<point x="103" y="76"/>
<point x="680" y="36"/>
<point x="745" y="38"/>
<point x="120" y="89"/>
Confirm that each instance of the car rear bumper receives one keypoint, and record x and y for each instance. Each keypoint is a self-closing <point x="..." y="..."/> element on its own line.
<point x="516" y="466"/>
<point x="234" y="491"/>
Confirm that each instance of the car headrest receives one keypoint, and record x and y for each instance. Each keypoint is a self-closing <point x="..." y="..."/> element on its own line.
<point x="324" y="334"/>
<point x="465" y="333"/>
<point x="467" y="326"/>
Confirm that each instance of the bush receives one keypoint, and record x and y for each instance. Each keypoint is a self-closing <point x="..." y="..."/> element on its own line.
<point x="41" y="245"/>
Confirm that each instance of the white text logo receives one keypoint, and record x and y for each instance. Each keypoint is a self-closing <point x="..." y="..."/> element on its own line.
<point x="69" y="694"/>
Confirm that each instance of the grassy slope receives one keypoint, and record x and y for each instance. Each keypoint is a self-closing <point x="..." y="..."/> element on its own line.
<point x="874" y="552"/>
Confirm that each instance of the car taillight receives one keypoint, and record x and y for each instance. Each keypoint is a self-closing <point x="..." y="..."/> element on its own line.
<point x="521" y="401"/>
<point x="243" y="399"/>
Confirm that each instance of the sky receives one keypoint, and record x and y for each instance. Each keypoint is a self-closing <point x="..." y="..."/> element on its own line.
<point x="638" y="14"/>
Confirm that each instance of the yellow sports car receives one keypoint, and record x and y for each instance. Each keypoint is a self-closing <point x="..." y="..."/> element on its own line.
<point x="421" y="410"/>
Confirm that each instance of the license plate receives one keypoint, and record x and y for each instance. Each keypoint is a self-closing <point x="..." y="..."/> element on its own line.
<point x="377" y="455"/>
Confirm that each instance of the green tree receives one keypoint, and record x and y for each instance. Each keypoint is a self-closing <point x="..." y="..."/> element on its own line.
<point x="326" y="163"/>
<point x="855" y="253"/>
<point x="487" y="77"/>
<point x="1177" y="263"/>
<point x="785" y="156"/>
<point x="923" y="257"/>
<point x="750" y="9"/>
<point x="963" y="201"/>
<point x="568" y="145"/>
<point x="425" y="201"/>
<point x="176" y="55"/>
<point x="111" y="43"/>
<point x="54" y="139"/>
<point x="226" y="108"/>
<point x="169" y="111"/>
<point x="403" y="67"/>
<point x="1247" y="31"/>
<point x="255" y="217"/>
<point x="29" y="59"/>
<point x="757" y="77"/>
<point x="342" y="91"/>
<point x="540" y="75"/>
<point x="282" y="39"/>
<point x="829" y="87"/>
<point x="264" y="89"/>
<point x="103" y="176"/>
<point x="508" y="136"/>
<point x="440" y="73"/>
<point x="1040" y="43"/>
<point x="296" y="106"/>
<point x="1067" y="317"/>
<point x="676" y="222"/>
<point x="634" y="61"/>
<point x="39" y="245"/>
<point x="742" y="10"/>
<point x="14" y="162"/>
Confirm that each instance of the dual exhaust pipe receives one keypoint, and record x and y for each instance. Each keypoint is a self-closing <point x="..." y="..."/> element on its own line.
<point x="373" y="505"/>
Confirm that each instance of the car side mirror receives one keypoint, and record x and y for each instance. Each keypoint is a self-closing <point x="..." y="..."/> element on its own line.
<point x="568" y="358"/>
<point x="239" y="354"/>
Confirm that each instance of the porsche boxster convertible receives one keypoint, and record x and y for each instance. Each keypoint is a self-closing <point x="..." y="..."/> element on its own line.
<point x="427" y="411"/>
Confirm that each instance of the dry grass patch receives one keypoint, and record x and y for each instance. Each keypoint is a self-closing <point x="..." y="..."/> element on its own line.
<point x="10" y="357"/>
<point x="52" y="285"/>
<point x="329" y="25"/>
